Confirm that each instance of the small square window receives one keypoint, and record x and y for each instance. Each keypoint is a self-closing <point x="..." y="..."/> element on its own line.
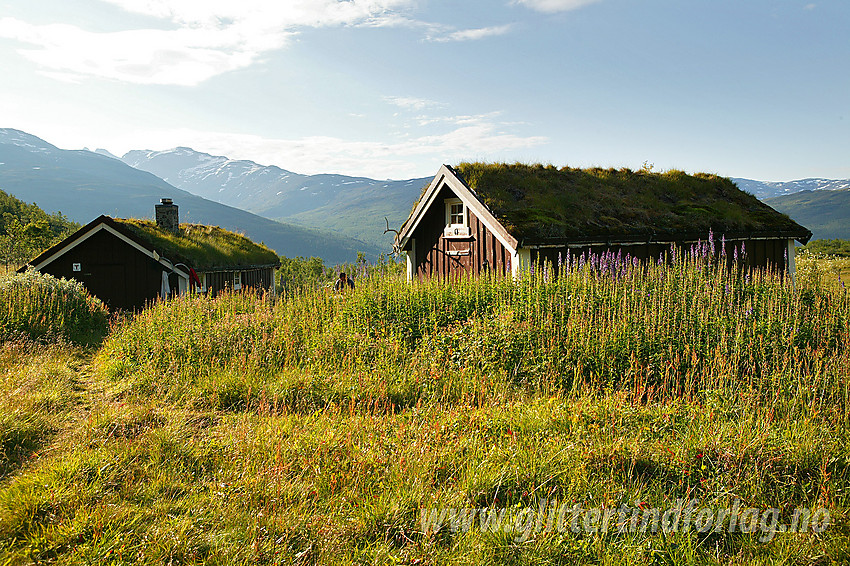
<point x="455" y="212"/>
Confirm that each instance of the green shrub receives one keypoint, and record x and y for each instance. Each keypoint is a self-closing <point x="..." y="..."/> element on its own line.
<point x="41" y="307"/>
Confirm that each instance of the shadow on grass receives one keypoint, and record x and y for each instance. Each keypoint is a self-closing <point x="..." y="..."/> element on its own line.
<point x="19" y="441"/>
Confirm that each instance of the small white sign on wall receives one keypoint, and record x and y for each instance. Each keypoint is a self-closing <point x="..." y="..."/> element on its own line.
<point x="76" y="267"/>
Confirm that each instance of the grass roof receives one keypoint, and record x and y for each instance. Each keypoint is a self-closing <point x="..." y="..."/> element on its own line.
<point x="537" y="203"/>
<point x="202" y="247"/>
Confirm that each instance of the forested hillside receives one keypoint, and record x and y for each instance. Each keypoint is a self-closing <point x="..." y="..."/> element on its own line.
<point x="26" y="230"/>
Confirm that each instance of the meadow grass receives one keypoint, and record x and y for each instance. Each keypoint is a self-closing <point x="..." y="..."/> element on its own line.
<point x="39" y="389"/>
<point x="316" y="429"/>
<point x="656" y="331"/>
<point x="38" y="306"/>
<point x="824" y="271"/>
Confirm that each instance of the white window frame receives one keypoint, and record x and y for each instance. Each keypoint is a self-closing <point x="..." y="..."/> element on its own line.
<point x="454" y="201"/>
<point x="237" y="280"/>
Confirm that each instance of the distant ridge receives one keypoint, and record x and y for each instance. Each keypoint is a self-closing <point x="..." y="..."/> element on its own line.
<point x="84" y="184"/>
<point x="353" y="206"/>
<point x="768" y="189"/>
<point x="825" y="213"/>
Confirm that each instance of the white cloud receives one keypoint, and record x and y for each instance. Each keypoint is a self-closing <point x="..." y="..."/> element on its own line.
<point x="181" y="57"/>
<point x="412" y="103"/>
<point x="263" y="15"/>
<point x="472" y="34"/>
<point x="200" y="39"/>
<point x="469" y="137"/>
<point x="810" y="6"/>
<point x="551" y="6"/>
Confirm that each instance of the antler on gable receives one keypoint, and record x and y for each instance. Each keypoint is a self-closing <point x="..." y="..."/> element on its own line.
<point x="396" y="249"/>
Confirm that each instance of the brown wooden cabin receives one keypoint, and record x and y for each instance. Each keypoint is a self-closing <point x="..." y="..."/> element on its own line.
<point x="494" y="218"/>
<point x="122" y="262"/>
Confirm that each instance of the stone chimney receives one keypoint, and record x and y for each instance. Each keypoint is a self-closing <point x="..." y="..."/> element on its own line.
<point x="167" y="217"/>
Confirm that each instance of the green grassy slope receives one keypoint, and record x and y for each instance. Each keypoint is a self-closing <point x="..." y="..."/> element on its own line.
<point x="825" y="213"/>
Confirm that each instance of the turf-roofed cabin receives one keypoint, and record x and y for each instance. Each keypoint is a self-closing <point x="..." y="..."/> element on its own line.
<point x="126" y="263"/>
<point x="497" y="218"/>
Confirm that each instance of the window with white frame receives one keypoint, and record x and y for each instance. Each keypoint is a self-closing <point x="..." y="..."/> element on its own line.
<point x="455" y="212"/>
<point x="237" y="280"/>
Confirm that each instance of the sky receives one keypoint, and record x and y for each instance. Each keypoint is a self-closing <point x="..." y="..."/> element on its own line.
<point x="391" y="89"/>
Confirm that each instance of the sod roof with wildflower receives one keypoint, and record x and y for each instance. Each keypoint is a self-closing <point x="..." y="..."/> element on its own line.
<point x="201" y="246"/>
<point x="537" y="203"/>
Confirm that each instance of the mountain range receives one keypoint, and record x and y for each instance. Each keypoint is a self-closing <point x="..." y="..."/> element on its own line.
<point x="83" y="185"/>
<point x="329" y="216"/>
<point x="769" y="189"/>
<point x="351" y="206"/>
<point x="356" y="206"/>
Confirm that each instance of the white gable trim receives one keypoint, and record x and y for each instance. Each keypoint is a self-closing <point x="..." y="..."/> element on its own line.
<point x="105" y="227"/>
<point x="424" y="204"/>
<point x="445" y="176"/>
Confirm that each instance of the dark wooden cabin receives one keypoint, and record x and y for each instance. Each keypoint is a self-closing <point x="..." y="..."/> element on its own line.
<point x="494" y="218"/>
<point x="123" y="262"/>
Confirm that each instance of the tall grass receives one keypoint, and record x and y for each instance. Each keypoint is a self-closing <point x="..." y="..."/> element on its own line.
<point x="41" y="307"/>
<point x="315" y="429"/>
<point x="826" y="271"/>
<point x="37" y="391"/>
<point x="687" y="329"/>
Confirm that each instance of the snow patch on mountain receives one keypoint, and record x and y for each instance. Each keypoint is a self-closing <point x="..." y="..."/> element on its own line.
<point x="767" y="189"/>
<point x="24" y="140"/>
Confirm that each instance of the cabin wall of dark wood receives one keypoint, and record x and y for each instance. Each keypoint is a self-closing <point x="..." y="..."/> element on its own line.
<point x="438" y="256"/>
<point x="112" y="270"/>
<point x="260" y="279"/>
<point x="771" y="254"/>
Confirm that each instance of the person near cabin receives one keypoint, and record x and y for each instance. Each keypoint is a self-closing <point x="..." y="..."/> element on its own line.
<point x="343" y="283"/>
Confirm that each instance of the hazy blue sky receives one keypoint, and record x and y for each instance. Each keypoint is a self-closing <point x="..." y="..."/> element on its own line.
<point x="394" y="88"/>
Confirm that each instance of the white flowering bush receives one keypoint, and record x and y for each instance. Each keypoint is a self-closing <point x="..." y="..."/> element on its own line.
<point x="816" y="270"/>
